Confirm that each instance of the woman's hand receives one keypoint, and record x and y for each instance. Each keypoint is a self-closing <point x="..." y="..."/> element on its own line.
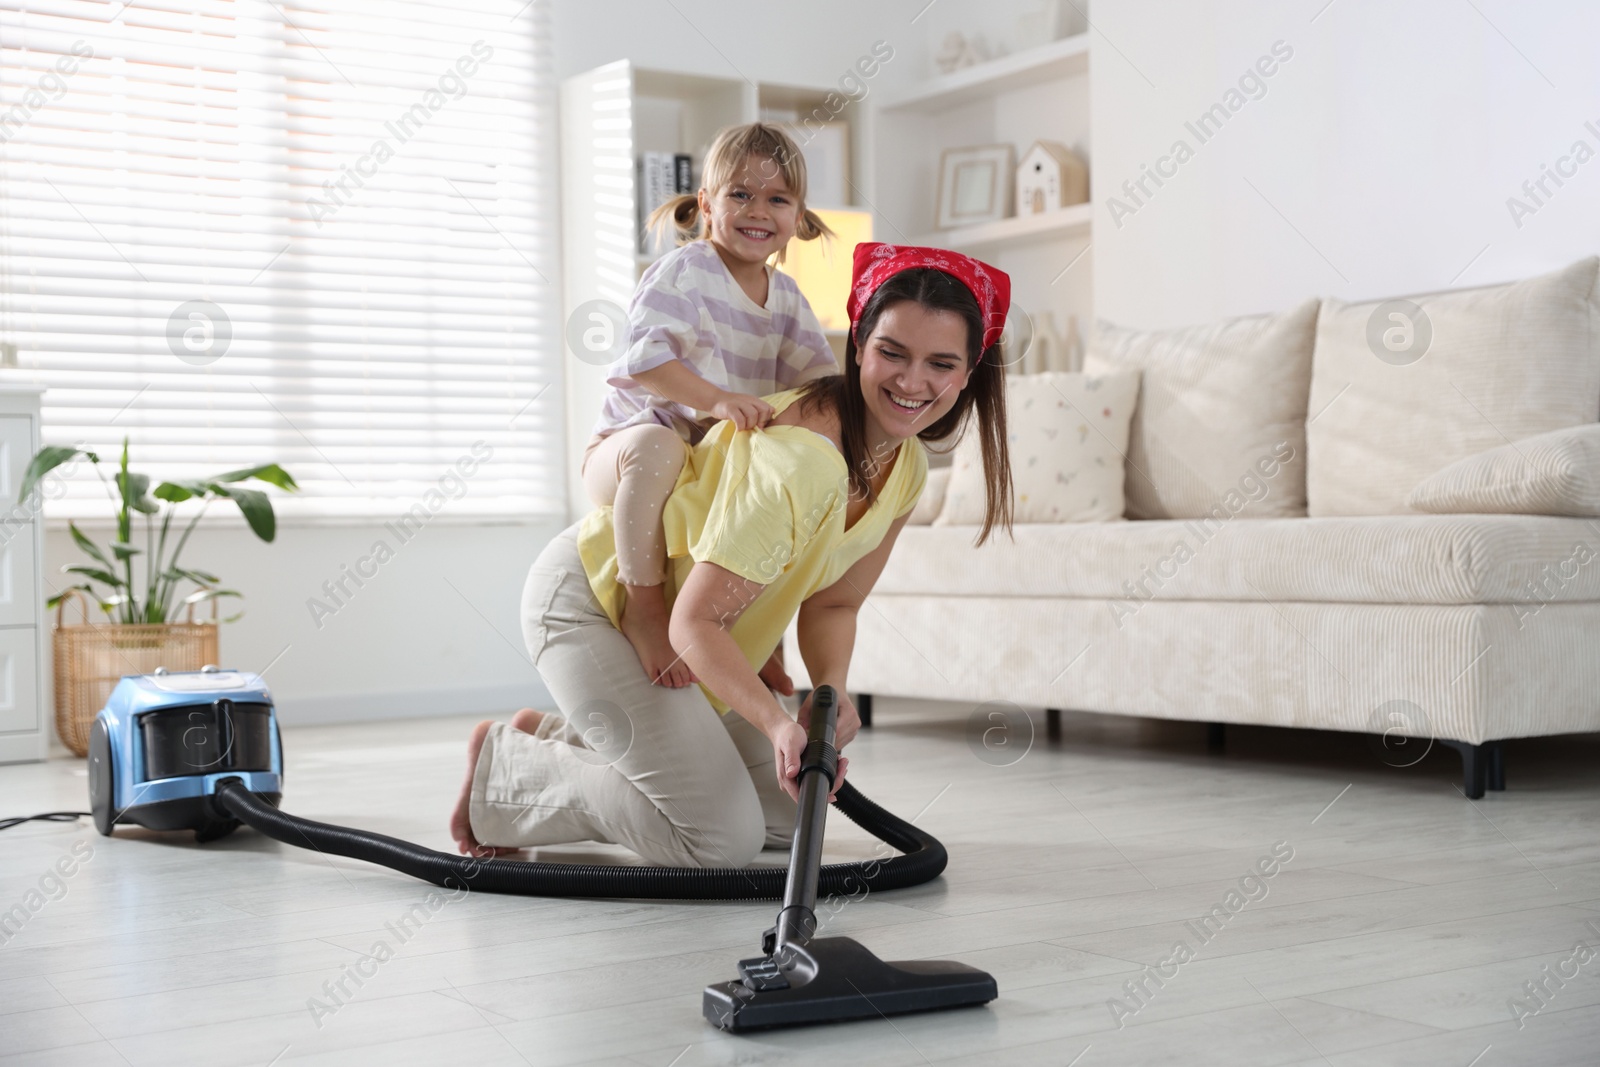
<point x="746" y="412"/>
<point x="788" y="745"/>
<point x="845" y="724"/>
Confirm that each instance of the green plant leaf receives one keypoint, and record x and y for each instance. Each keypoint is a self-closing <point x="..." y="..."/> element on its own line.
<point x="46" y="460"/>
<point x="88" y="546"/>
<point x="97" y="573"/>
<point x="133" y="488"/>
<point x="257" y="508"/>
<point x="197" y="577"/>
<point x="207" y="594"/>
<point x="176" y="492"/>
<point x="270" y="473"/>
<point x="122" y="551"/>
<point x="56" y="600"/>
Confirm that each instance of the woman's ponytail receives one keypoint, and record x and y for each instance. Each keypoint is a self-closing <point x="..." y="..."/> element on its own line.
<point x="680" y="215"/>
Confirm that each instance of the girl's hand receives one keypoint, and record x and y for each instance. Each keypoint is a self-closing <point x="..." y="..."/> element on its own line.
<point x="746" y="412"/>
<point x="788" y="744"/>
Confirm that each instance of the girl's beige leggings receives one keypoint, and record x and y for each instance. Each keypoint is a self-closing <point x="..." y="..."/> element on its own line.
<point x="635" y="470"/>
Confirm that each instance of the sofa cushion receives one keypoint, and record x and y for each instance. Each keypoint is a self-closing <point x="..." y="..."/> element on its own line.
<point x="1066" y="435"/>
<point x="1556" y="473"/>
<point x="1214" y="399"/>
<point x="1401" y="389"/>
<point x="1400" y="559"/>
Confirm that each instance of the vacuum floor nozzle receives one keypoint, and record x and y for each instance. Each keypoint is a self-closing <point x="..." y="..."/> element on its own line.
<point x="799" y="979"/>
<point x="835" y="979"/>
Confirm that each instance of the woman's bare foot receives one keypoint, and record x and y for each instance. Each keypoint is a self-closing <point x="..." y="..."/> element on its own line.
<point x="527" y="720"/>
<point x="460" y="818"/>
<point x="775" y="676"/>
<point x="644" y="624"/>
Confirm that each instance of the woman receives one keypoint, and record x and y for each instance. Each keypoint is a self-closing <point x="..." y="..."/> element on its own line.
<point x="791" y="522"/>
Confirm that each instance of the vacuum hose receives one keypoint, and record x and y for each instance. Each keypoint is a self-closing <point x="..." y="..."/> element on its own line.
<point x="923" y="860"/>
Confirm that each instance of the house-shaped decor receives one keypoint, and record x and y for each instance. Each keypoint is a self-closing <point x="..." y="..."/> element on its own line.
<point x="1050" y="177"/>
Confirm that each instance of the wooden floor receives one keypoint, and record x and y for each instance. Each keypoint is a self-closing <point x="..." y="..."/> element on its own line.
<point x="1401" y="930"/>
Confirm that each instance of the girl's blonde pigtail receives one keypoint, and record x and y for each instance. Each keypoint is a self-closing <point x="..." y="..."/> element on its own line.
<point x="681" y="215"/>
<point x="811" y="226"/>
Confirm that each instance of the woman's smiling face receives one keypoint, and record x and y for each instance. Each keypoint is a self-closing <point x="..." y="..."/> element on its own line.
<point x="914" y="354"/>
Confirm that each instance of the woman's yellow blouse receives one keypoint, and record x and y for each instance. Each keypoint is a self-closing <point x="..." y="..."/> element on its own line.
<point x="768" y="505"/>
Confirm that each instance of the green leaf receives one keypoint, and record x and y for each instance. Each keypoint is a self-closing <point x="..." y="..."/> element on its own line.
<point x="235" y="617"/>
<point x="257" y="508"/>
<point x="197" y="577"/>
<point x="176" y="492"/>
<point x="207" y="594"/>
<point x="97" y="573"/>
<point x="122" y="551"/>
<point x="44" y="461"/>
<point x="87" y="545"/>
<point x="270" y="473"/>
<point x="59" y="597"/>
<point x="133" y="488"/>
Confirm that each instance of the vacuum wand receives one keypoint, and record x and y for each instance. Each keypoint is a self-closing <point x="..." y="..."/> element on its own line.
<point x="800" y="978"/>
<point x="819" y="765"/>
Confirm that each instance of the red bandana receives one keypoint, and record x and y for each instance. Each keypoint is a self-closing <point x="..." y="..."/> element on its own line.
<point x="876" y="263"/>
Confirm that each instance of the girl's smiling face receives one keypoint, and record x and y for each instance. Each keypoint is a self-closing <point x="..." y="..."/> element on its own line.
<point x="755" y="214"/>
<point x="913" y="367"/>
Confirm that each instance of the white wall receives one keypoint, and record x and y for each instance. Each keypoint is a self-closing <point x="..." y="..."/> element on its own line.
<point x="405" y="643"/>
<point x="788" y="42"/>
<point x="1390" y="141"/>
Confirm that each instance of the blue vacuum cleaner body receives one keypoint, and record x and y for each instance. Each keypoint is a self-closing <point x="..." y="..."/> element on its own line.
<point x="163" y="741"/>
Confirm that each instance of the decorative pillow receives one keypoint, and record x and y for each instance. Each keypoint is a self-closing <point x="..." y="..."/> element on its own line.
<point x="1215" y="402"/>
<point x="931" y="501"/>
<point x="1555" y="473"/>
<point x="1401" y="389"/>
<point x="1067" y="434"/>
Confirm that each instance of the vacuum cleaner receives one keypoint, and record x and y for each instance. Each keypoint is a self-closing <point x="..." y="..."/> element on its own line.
<point x="201" y="751"/>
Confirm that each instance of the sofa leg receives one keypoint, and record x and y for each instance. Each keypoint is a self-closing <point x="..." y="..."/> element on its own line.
<point x="1495" y="771"/>
<point x="1476" y="764"/>
<point x="1052" y="724"/>
<point x="1216" y="736"/>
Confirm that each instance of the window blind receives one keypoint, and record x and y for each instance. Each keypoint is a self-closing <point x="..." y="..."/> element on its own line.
<point x="312" y="232"/>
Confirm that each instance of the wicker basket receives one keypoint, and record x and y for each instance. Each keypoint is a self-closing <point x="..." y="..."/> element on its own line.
<point x="89" y="660"/>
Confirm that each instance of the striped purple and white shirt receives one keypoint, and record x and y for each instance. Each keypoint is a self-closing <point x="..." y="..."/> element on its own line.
<point x="688" y="307"/>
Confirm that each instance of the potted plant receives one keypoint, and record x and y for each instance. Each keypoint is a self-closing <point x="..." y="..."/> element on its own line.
<point x="142" y="631"/>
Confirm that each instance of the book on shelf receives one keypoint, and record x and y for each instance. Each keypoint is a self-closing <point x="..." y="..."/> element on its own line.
<point x="661" y="176"/>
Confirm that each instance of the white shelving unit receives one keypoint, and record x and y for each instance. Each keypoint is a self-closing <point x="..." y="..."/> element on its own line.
<point x="608" y="116"/>
<point x="1065" y="58"/>
<point x="1041" y="93"/>
<point x="1068" y="222"/>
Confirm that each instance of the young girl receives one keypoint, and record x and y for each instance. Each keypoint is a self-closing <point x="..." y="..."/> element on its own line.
<point x="712" y="328"/>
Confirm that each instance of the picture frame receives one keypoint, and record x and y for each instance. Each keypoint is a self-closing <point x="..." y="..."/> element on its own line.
<point x="975" y="185"/>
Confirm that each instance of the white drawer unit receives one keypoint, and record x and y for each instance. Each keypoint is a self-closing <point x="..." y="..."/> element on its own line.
<point x="25" y="718"/>
<point x="18" y="591"/>
<point x="20" y="712"/>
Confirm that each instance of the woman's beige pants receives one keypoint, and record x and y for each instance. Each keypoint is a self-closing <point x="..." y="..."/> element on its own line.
<point x="646" y="766"/>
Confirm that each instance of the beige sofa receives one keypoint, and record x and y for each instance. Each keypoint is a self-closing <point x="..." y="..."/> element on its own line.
<point x="1388" y="585"/>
